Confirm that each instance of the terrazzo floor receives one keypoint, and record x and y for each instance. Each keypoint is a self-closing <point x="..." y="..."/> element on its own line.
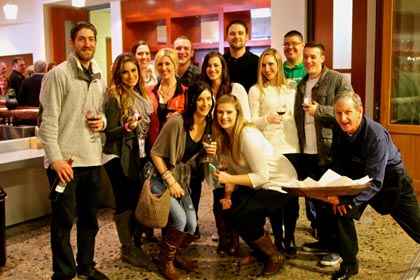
<point x="385" y="251"/>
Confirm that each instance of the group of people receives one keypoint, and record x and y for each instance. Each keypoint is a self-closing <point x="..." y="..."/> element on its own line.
<point x="276" y="122"/>
<point x="25" y="90"/>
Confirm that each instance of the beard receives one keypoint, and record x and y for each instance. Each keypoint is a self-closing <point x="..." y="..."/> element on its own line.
<point x="85" y="56"/>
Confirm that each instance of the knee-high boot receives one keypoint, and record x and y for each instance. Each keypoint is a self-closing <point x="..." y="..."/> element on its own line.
<point x="179" y="260"/>
<point x="222" y="229"/>
<point x="233" y="242"/>
<point x="275" y="260"/>
<point x="129" y="253"/>
<point x="171" y="240"/>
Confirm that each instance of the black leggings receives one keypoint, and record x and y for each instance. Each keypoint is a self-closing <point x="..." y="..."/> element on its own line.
<point x="251" y="207"/>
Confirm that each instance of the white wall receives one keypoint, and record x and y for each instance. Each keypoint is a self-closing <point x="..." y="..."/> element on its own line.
<point x="30" y="32"/>
<point x="286" y="16"/>
<point x="28" y="35"/>
<point x="102" y="21"/>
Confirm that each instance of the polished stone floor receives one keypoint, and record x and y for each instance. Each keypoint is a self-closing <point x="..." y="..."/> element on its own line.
<point x="385" y="251"/>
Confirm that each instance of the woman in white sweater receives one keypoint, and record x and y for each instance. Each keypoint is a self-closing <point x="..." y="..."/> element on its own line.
<point x="215" y="73"/>
<point x="257" y="173"/>
<point x="272" y="89"/>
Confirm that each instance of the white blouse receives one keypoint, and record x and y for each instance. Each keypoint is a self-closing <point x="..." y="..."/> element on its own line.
<point x="262" y="103"/>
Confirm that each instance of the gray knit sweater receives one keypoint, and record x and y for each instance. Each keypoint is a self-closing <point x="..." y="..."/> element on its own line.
<point x="66" y="93"/>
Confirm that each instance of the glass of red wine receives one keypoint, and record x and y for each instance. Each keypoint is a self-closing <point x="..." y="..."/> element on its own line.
<point x="281" y="109"/>
<point x="222" y="162"/>
<point x="92" y="115"/>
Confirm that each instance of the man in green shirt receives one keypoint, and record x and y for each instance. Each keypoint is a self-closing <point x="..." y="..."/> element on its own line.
<point x="293" y="50"/>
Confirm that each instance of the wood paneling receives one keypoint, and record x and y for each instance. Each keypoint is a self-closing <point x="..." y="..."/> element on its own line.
<point x="141" y="18"/>
<point x="322" y="27"/>
<point x="8" y="60"/>
<point x="406" y="137"/>
<point x="58" y="35"/>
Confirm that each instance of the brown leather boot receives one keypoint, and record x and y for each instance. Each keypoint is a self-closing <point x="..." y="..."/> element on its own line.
<point x="275" y="260"/>
<point x="179" y="260"/>
<point x="170" y="242"/>
<point x="222" y="230"/>
<point x="233" y="243"/>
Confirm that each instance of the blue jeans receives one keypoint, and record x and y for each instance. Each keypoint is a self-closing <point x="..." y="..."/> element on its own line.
<point x="81" y="196"/>
<point x="182" y="214"/>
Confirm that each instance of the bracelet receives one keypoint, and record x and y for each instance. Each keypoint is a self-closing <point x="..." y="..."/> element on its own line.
<point x="127" y="128"/>
<point x="228" y="195"/>
<point x="166" y="174"/>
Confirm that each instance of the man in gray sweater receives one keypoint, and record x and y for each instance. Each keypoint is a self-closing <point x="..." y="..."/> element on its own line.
<point x="72" y="97"/>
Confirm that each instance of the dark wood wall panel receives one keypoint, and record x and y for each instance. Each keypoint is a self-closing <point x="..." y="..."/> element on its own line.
<point x="58" y="36"/>
<point x="323" y="27"/>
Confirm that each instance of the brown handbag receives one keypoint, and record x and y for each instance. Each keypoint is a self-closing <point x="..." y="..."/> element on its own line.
<point x="152" y="209"/>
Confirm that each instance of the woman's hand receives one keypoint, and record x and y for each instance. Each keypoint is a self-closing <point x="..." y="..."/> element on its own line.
<point x="274" y="119"/>
<point x="176" y="190"/>
<point x="222" y="177"/>
<point x="132" y="122"/>
<point x="210" y="148"/>
<point x="226" y="203"/>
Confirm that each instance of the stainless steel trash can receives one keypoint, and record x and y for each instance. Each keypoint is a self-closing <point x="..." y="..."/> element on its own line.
<point x="3" y="196"/>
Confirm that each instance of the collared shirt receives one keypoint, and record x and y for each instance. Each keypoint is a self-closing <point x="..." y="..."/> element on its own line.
<point x="243" y="70"/>
<point x="369" y="151"/>
<point x="190" y="76"/>
<point x="294" y="73"/>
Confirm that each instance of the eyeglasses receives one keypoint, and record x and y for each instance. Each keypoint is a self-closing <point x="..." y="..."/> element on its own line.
<point x="293" y="44"/>
<point x="22" y="65"/>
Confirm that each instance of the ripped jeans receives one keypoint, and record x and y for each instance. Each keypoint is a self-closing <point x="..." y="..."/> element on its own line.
<point x="182" y="213"/>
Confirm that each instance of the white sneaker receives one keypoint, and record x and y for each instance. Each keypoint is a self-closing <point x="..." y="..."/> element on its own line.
<point x="215" y="237"/>
<point x="331" y="259"/>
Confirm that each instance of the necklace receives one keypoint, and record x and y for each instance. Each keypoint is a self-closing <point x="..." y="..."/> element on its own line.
<point x="168" y="92"/>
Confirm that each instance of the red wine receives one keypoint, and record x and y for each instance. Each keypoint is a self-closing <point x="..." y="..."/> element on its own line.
<point x="223" y="168"/>
<point x="281" y="113"/>
<point x="58" y="186"/>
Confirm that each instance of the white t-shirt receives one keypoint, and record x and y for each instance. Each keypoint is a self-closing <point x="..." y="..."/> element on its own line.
<point x="310" y="132"/>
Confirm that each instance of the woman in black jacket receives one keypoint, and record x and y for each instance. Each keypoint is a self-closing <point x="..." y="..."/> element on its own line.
<point x="128" y="111"/>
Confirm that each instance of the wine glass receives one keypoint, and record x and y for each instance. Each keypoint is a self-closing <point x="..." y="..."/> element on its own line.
<point x="92" y="115"/>
<point x="281" y="109"/>
<point x="208" y="139"/>
<point x="222" y="162"/>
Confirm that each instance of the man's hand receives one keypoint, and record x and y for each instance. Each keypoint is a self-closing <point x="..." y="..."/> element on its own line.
<point x="63" y="170"/>
<point x="95" y="123"/>
<point x="341" y="209"/>
<point x="310" y="108"/>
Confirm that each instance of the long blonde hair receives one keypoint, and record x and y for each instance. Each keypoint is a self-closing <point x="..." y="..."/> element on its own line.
<point x="224" y="143"/>
<point x="262" y="81"/>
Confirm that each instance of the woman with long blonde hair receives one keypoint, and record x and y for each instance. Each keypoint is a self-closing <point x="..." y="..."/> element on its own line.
<point x="265" y="98"/>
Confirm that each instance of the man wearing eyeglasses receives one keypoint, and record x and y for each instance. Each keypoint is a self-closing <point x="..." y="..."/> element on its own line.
<point x="16" y="77"/>
<point x="293" y="51"/>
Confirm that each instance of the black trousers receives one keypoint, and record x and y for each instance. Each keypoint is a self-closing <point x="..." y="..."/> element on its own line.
<point x="251" y="207"/>
<point x="81" y="196"/>
<point x="126" y="190"/>
<point x="406" y="213"/>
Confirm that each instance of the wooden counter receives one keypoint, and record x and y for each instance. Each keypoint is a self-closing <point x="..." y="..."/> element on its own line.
<point x="21" y="115"/>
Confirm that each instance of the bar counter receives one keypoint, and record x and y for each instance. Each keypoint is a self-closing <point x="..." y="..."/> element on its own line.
<point x="20" y="115"/>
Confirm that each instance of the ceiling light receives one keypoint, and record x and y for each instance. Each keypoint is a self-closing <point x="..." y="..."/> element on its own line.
<point x="78" y="3"/>
<point x="10" y="11"/>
